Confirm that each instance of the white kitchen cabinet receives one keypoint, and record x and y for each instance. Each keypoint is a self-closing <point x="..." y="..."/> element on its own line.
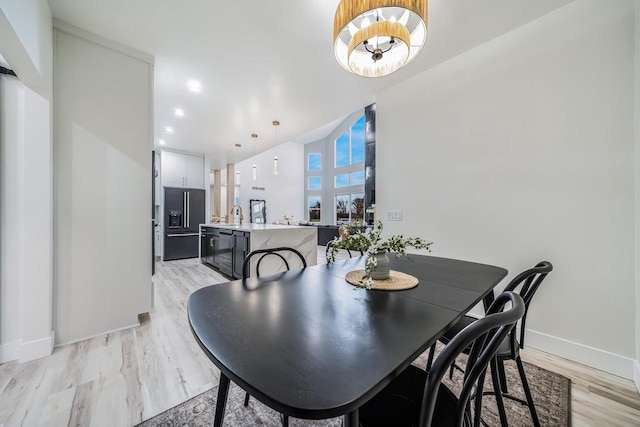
<point x="195" y="172"/>
<point x="182" y="170"/>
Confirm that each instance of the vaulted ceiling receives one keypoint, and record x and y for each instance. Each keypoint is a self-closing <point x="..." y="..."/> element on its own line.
<point x="259" y="61"/>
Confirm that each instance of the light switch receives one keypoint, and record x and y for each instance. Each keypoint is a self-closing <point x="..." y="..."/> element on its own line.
<point x="395" y="215"/>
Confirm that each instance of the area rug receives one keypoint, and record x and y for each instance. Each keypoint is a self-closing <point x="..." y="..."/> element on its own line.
<point x="551" y="394"/>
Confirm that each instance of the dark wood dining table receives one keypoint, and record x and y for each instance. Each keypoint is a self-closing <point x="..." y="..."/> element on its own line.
<point x="309" y="345"/>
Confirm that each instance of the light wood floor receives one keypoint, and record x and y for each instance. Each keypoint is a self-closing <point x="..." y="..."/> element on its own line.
<point x="123" y="378"/>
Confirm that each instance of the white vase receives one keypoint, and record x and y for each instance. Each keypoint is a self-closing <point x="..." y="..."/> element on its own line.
<point x="381" y="271"/>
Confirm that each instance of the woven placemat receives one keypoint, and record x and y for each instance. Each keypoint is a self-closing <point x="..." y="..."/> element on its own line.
<point x="397" y="280"/>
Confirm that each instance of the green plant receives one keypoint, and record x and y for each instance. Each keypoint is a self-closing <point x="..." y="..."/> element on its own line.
<point x="370" y="243"/>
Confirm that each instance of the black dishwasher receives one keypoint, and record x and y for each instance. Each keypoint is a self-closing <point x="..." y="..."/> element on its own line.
<point x="240" y="251"/>
<point x="224" y="252"/>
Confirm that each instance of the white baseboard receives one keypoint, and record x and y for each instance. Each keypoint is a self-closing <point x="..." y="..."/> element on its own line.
<point x="9" y="351"/>
<point x="596" y="358"/>
<point x="98" y="335"/>
<point x="636" y="375"/>
<point x="36" y="349"/>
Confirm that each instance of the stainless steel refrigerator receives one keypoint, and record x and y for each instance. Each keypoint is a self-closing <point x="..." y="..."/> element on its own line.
<point x="183" y="213"/>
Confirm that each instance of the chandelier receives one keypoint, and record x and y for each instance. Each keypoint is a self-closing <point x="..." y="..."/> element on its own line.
<point x="254" y="169"/>
<point x="374" y="38"/>
<point x="276" y="165"/>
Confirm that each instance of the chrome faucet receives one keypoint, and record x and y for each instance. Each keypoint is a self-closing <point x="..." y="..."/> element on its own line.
<point x="233" y="211"/>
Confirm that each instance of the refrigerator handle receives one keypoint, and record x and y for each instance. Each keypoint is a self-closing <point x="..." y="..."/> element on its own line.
<point x="188" y="209"/>
<point x="184" y="210"/>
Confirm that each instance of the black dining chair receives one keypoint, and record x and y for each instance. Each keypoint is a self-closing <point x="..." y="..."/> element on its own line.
<point x="273" y="252"/>
<point x="350" y="251"/>
<point x="528" y="283"/>
<point x="419" y="398"/>
<point x="261" y="254"/>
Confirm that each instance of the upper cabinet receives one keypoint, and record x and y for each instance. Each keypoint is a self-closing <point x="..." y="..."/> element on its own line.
<point x="195" y="172"/>
<point x="182" y="170"/>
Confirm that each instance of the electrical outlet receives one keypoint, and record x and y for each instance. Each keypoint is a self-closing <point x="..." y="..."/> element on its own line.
<point x="395" y="215"/>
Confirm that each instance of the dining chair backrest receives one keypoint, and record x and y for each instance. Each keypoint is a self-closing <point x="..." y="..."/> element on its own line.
<point x="528" y="283"/>
<point x="261" y="254"/>
<point x="350" y="251"/>
<point x="484" y="336"/>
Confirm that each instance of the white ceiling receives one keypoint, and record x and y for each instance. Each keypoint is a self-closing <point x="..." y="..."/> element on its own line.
<point x="260" y="61"/>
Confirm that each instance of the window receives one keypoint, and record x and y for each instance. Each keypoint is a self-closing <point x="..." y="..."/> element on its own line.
<point x="315" y="183"/>
<point x="357" y="142"/>
<point x="342" y="209"/>
<point x="357" y="208"/>
<point x="342" y="150"/>
<point x="314" y="162"/>
<point x="342" y="180"/>
<point x="357" y="178"/>
<point x="346" y="179"/>
<point x="350" y="146"/>
<point x="349" y="208"/>
<point x="314" y="208"/>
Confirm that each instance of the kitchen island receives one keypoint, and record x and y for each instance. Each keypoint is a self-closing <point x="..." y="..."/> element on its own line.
<point x="224" y="246"/>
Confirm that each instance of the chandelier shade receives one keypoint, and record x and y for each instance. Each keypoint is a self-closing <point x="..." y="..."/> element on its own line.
<point x="254" y="169"/>
<point x="276" y="165"/>
<point x="374" y="38"/>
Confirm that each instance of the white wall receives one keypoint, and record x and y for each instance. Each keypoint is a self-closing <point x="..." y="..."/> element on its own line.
<point x="103" y="185"/>
<point x="11" y="269"/>
<point x="284" y="192"/>
<point x="37" y="294"/>
<point x="636" y="370"/>
<point x="25" y="223"/>
<point x="26" y="34"/>
<point x="521" y="150"/>
<point x="26" y="182"/>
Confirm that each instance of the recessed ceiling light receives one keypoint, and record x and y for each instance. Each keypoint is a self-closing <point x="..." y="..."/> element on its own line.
<point x="161" y="142"/>
<point x="179" y="112"/>
<point x="169" y="129"/>
<point x="194" y="86"/>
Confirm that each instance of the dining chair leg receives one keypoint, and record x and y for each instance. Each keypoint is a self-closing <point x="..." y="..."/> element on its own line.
<point x="246" y="399"/>
<point x="503" y="377"/>
<point x="221" y="402"/>
<point x="432" y="351"/>
<point x="496" y="391"/>
<point x="477" y="408"/>
<point x="285" y="420"/>
<point x="527" y="392"/>
<point x="351" y="419"/>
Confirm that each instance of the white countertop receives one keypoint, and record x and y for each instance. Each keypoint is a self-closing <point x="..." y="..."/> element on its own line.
<point x="254" y="227"/>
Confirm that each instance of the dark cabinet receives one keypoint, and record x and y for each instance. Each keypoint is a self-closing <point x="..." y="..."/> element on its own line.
<point x="327" y="233"/>
<point x="223" y="254"/>
<point x="224" y="249"/>
<point x="213" y="236"/>
<point x="208" y="243"/>
<point x="240" y="251"/>
<point x="204" y="245"/>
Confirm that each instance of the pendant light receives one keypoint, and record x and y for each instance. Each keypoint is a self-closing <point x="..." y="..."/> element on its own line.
<point x="254" y="169"/>
<point x="276" y="166"/>
<point x="374" y="38"/>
